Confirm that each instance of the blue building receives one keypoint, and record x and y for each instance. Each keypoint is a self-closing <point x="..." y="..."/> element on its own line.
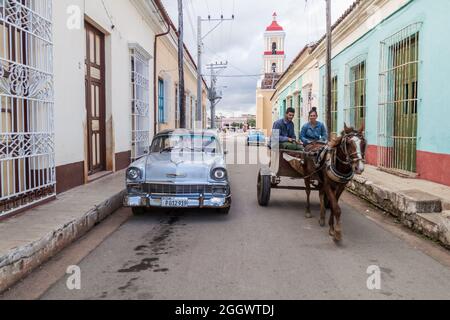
<point x="390" y="64"/>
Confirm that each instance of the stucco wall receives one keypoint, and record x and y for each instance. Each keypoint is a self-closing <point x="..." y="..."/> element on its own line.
<point x="167" y="69"/>
<point x="434" y="96"/>
<point x="264" y="117"/>
<point x="69" y="54"/>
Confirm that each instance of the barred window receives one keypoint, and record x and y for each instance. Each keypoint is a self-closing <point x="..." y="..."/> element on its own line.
<point x="334" y="105"/>
<point x="355" y="92"/>
<point x="334" y="102"/>
<point x="177" y="108"/>
<point x="398" y="107"/>
<point x="140" y="101"/>
<point x="27" y="159"/>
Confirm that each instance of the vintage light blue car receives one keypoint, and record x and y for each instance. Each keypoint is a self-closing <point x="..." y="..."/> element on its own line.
<point x="256" y="137"/>
<point x="183" y="169"/>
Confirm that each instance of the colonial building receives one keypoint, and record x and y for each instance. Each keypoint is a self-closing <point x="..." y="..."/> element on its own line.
<point x="77" y="92"/>
<point x="298" y="88"/>
<point x="167" y="80"/>
<point x="273" y="66"/>
<point x="388" y="72"/>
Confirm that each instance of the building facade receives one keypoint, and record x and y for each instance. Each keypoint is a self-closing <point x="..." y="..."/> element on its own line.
<point x="388" y="74"/>
<point x="298" y="88"/>
<point x="77" y="93"/>
<point x="167" y="79"/>
<point x="273" y="66"/>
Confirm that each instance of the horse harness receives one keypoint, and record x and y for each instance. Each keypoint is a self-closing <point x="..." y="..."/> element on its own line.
<point x="328" y="157"/>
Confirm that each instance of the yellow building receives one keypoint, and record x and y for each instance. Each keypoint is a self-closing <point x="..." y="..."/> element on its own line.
<point x="167" y="113"/>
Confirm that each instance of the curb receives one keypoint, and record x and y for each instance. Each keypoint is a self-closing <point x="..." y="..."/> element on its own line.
<point x="417" y="210"/>
<point x="21" y="261"/>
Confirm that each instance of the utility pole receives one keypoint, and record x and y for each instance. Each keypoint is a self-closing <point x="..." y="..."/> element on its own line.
<point x="213" y="95"/>
<point x="181" y="93"/>
<point x="328" y="80"/>
<point x="200" y="38"/>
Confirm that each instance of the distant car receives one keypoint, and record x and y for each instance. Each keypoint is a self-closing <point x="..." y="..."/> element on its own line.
<point x="256" y="137"/>
<point x="183" y="169"/>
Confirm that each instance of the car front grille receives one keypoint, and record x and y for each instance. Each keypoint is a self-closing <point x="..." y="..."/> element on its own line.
<point x="170" y="189"/>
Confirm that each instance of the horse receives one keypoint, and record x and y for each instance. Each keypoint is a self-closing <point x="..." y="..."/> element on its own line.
<point x="338" y="163"/>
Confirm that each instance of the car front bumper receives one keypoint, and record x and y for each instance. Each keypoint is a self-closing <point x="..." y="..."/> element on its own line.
<point x="151" y="201"/>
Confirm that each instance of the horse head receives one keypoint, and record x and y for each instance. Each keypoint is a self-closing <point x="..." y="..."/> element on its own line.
<point x="354" y="145"/>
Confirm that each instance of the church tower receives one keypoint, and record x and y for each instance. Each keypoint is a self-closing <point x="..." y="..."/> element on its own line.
<point x="273" y="67"/>
<point x="274" y="56"/>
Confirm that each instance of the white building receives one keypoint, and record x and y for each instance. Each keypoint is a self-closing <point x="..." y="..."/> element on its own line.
<point x="76" y="92"/>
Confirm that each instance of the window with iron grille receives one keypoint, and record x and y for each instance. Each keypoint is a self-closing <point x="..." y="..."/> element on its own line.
<point x="177" y="108"/>
<point x="161" y="101"/>
<point x="398" y="106"/>
<point x="334" y="102"/>
<point x="334" y="105"/>
<point x="27" y="147"/>
<point x="355" y="92"/>
<point x="140" y="101"/>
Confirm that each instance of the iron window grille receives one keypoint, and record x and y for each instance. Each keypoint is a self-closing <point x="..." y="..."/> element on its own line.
<point x="398" y="104"/>
<point x="334" y="102"/>
<point x="27" y="138"/>
<point x="355" y="92"/>
<point x="140" y="85"/>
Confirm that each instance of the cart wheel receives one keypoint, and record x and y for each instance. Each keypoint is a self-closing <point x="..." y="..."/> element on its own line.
<point x="264" y="189"/>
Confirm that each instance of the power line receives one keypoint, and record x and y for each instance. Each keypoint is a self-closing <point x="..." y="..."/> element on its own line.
<point x="216" y="55"/>
<point x="191" y="23"/>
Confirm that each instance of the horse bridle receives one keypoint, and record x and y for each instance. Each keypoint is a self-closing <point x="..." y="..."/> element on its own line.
<point x="350" y="157"/>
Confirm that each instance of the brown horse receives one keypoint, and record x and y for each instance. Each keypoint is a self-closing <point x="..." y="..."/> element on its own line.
<point x="343" y="158"/>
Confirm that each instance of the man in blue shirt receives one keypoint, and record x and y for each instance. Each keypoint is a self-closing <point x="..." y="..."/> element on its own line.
<point x="313" y="131"/>
<point x="285" y="130"/>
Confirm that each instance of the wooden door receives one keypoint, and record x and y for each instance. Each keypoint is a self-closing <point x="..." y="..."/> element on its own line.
<point x="95" y="99"/>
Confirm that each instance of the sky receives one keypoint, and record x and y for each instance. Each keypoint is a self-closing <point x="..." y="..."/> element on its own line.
<point x="240" y="42"/>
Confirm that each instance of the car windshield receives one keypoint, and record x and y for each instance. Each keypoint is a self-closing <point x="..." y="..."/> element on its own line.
<point x="185" y="143"/>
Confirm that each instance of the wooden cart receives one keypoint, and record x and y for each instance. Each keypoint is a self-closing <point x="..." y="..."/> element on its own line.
<point x="269" y="177"/>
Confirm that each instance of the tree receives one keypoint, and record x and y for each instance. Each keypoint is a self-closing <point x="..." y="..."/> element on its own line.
<point x="252" y="123"/>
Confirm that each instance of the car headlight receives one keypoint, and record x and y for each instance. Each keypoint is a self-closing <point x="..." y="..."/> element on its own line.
<point x="134" y="174"/>
<point x="219" y="174"/>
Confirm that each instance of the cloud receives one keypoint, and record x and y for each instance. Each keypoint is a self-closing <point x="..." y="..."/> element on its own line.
<point x="241" y="42"/>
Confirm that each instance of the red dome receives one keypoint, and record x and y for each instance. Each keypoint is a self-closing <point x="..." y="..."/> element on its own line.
<point x="274" y="26"/>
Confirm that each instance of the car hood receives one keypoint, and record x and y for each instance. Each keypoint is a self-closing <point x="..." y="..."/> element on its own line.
<point x="187" y="168"/>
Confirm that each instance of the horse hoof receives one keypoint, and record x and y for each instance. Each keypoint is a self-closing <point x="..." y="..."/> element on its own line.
<point x="322" y="222"/>
<point x="308" y="215"/>
<point x="332" y="233"/>
<point x="337" y="237"/>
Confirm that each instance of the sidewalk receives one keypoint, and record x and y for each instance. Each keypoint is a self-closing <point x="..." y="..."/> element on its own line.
<point x="421" y="205"/>
<point x="33" y="237"/>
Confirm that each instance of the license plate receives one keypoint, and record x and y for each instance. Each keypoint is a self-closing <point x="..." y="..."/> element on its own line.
<point x="174" y="202"/>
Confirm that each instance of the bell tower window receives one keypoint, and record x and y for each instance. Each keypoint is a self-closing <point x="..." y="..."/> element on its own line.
<point x="274" y="67"/>
<point x="274" y="48"/>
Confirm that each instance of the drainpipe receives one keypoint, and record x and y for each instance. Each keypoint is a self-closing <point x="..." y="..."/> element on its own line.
<point x="155" y="107"/>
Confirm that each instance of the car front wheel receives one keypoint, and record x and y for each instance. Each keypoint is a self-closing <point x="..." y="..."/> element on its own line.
<point x="138" y="211"/>
<point x="224" y="211"/>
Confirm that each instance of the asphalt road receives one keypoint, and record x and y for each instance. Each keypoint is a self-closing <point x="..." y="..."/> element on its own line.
<point x="258" y="253"/>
